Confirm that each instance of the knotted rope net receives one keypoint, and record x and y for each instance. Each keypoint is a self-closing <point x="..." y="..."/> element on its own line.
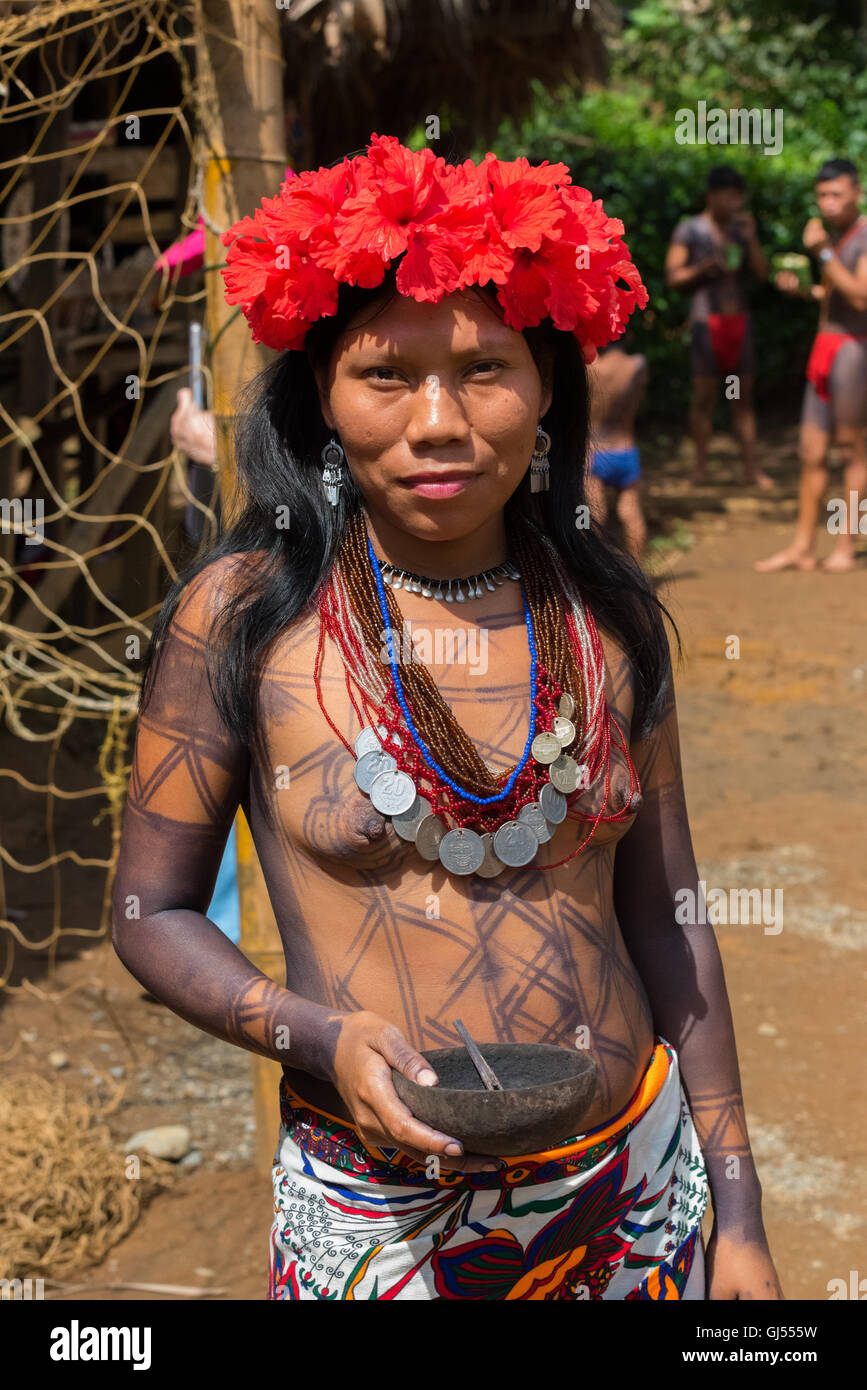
<point x="101" y="174"/>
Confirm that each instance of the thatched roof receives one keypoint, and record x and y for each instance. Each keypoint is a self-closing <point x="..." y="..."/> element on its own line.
<point x="354" y="66"/>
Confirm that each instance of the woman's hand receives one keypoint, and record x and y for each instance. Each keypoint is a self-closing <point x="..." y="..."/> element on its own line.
<point x="737" y="1268"/>
<point x="368" y="1047"/>
<point x="193" y="430"/>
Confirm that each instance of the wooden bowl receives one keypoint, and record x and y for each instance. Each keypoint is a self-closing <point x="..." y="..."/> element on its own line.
<point x="546" y="1092"/>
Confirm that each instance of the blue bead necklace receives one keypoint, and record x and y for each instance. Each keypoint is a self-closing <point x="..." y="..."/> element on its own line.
<point x="423" y="749"/>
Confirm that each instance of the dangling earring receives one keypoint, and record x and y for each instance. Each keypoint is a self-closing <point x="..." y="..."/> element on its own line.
<point x="332" y="476"/>
<point x="539" y="471"/>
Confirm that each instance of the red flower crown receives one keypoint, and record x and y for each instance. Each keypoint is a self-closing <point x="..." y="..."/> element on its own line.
<point x="545" y="243"/>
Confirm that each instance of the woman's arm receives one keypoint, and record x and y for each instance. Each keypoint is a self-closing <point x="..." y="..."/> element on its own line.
<point x="683" y="975"/>
<point x="189" y="775"/>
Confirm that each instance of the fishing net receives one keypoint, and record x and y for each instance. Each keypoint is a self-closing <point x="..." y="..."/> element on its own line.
<point x="101" y="174"/>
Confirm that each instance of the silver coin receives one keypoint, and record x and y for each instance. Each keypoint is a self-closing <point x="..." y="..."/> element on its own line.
<point x="553" y="803"/>
<point x="392" y="792"/>
<point x="566" y="706"/>
<point x="427" y="838"/>
<point x="370" y="765"/>
<point x="564" y="774"/>
<point x="407" y="823"/>
<point x="490" y="865"/>
<point x="461" y="850"/>
<point x="533" y="815"/>
<point x="545" y="748"/>
<point x="515" y="844"/>
<point x="367" y="741"/>
<point x="564" y="731"/>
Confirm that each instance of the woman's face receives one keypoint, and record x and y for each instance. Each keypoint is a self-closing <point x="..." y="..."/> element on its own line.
<point x="437" y="407"/>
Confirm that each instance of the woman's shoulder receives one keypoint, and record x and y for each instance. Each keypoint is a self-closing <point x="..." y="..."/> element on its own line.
<point x="222" y="580"/>
<point x="613" y="647"/>
<point x="228" y="575"/>
<point x="624" y="677"/>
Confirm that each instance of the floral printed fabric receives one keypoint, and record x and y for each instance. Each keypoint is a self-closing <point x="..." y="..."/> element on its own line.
<point x="615" y="1213"/>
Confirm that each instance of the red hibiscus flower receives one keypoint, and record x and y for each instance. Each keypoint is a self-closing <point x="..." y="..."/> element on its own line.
<point x="397" y="189"/>
<point x="547" y="244"/>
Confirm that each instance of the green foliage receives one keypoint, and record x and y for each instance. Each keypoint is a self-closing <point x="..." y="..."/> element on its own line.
<point x="807" y="59"/>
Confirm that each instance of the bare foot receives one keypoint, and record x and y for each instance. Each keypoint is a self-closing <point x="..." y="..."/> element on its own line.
<point x="837" y="563"/>
<point x="786" y="560"/>
<point x="761" y="480"/>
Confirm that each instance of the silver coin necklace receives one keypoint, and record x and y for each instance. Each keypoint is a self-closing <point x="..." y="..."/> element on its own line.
<point x="460" y="850"/>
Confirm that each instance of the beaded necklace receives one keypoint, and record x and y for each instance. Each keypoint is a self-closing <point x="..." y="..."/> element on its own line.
<point x="466" y="796"/>
<point x="416" y="762"/>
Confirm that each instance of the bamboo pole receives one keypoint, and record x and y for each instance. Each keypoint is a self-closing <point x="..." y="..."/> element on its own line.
<point x="260" y="942"/>
<point x="239" y="85"/>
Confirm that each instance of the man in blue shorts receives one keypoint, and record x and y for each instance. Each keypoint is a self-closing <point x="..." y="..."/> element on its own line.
<point x="617" y="380"/>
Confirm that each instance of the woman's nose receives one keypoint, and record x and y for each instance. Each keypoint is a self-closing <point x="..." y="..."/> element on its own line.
<point x="437" y="414"/>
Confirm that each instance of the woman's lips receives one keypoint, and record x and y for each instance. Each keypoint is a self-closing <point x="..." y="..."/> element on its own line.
<point x="439" y="484"/>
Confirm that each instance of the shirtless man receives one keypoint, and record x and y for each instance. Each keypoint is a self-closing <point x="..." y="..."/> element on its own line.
<point x="617" y="380"/>
<point x="708" y="256"/>
<point x="835" y="401"/>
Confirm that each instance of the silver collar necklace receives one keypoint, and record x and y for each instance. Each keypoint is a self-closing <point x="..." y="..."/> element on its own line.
<point x="452" y="590"/>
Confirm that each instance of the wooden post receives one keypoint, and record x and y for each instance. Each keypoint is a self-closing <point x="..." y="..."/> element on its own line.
<point x="239" y="84"/>
<point x="260" y="942"/>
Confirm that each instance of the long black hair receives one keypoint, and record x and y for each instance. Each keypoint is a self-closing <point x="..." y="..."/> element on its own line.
<point x="279" y="436"/>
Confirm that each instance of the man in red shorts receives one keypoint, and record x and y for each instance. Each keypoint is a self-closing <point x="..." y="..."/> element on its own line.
<point x="835" y="401"/>
<point x="709" y="256"/>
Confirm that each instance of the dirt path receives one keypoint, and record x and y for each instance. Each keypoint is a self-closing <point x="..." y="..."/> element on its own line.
<point x="775" y="765"/>
<point x="775" y="762"/>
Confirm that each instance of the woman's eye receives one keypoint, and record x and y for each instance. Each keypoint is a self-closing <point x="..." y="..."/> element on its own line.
<point x="377" y="370"/>
<point x="391" y="374"/>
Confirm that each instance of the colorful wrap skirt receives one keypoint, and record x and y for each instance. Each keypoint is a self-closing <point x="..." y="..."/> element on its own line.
<point x="614" y="1213"/>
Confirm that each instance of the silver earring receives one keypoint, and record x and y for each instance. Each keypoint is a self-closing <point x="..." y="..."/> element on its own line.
<point x="333" y="458"/>
<point x="539" y="470"/>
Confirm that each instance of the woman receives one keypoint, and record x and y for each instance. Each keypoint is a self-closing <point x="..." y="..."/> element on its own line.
<point x="401" y="748"/>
